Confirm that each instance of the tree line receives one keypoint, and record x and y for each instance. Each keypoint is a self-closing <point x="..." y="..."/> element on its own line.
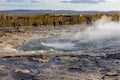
<point x="7" y="20"/>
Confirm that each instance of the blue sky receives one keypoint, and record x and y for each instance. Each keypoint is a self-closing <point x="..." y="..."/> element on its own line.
<point x="78" y="5"/>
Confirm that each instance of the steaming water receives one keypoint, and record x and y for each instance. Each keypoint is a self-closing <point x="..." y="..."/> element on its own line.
<point x="102" y="37"/>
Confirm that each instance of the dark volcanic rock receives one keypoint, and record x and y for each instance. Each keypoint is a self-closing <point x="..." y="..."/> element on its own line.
<point x="22" y="75"/>
<point x="113" y="56"/>
<point x="74" y="69"/>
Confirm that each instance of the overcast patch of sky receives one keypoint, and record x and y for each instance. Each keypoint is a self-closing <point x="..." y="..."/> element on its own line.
<point x="60" y="4"/>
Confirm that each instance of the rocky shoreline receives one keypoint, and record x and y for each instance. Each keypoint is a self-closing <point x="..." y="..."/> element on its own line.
<point x="60" y="67"/>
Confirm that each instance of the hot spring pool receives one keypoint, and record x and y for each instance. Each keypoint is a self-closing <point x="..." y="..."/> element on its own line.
<point x="84" y="44"/>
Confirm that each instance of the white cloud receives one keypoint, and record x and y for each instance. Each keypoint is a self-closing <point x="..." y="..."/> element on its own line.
<point x="89" y="1"/>
<point x="2" y="0"/>
<point x="36" y="0"/>
<point x="82" y="1"/>
<point x="11" y="0"/>
<point x="39" y="0"/>
<point x="44" y="0"/>
<point x="111" y="0"/>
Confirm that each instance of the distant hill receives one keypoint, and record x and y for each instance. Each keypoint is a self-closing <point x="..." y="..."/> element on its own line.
<point x="46" y="11"/>
<point x="50" y="11"/>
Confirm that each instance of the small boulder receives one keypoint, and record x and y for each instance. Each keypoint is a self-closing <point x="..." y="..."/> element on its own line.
<point x="1" y="68"/>
<point x="40" y="58"/>
<point x="112" y="73"/>
<point x="22" y="71"/>
<point x="113" y="56"/>
<point x="20" y="74"/>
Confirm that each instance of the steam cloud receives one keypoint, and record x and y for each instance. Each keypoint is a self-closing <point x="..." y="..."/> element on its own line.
<point x="103" y="33"/>
<point x="103" y="28"/>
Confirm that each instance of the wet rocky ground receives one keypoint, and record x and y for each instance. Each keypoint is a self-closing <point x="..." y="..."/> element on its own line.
<point x="60" y="67"/>
<point x="14" y="66"/>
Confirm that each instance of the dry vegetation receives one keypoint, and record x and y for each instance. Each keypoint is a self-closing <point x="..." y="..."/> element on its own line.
<point x="7" y="20"/>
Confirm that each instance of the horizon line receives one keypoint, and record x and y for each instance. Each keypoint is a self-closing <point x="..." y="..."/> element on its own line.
<point x="60" y="10"/>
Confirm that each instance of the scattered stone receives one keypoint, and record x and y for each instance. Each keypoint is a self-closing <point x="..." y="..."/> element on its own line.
<point x="118" y="70"/>
<point x="63" y="58"/>
<point x="74" y="69"/>
<point x="3" y="34"/>
<point x="3" y="74"/>
<point x="113" y="56"/>
<point x="19" y="74"/>
<point x="40" y="58"/>
<point x="22" y="71"/>
<point x="98" y="57"/>
<point x="1" y="42"/>
<point x="1" y="68"/>
<point x="112" y="74"/>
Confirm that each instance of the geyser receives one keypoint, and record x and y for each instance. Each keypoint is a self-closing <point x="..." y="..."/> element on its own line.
<point x="102" y="36"/>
